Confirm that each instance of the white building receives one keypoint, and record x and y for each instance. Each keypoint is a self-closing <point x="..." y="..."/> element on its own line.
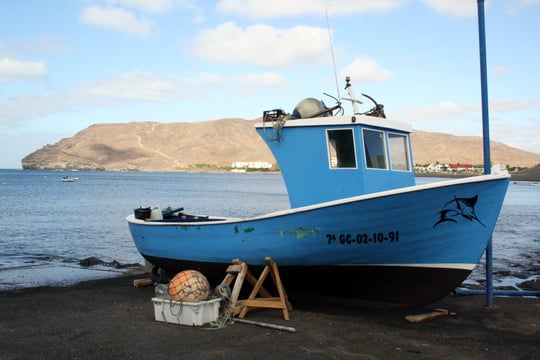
<point x="251" y="165"/>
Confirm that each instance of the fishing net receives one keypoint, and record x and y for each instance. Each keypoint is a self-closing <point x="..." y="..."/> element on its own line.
<point x="189" y="286"/>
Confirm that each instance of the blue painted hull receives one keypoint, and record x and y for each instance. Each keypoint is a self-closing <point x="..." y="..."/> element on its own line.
<point x="404" y="247"/>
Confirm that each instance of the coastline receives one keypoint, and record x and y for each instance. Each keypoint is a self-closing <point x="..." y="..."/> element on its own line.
<point x="110" y="319"/>
<point x="532" y="174"/>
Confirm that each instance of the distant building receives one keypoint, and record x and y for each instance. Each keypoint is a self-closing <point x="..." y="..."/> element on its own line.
<point x="436" y="168"/>
<point x="251" y="165"/>
<point x="461" y="167"/>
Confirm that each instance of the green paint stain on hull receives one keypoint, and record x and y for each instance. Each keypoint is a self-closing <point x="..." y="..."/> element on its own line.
<point x="300" y="232"/>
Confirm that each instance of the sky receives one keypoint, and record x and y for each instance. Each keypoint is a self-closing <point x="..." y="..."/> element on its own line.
<point x="68" y="64"/>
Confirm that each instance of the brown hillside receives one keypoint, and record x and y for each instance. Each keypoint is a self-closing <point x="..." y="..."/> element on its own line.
<point x="152" y="146"/>
<point x="429" y="148"/>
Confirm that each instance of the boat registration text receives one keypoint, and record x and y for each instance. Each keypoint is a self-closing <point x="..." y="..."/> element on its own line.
<point x="363" y="238"/>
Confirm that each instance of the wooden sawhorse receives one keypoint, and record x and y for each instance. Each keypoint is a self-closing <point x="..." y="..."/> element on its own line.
<point x="240" y="271"/>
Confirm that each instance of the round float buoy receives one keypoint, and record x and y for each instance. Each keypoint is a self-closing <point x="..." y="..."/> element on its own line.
<point x="189" y="286"/>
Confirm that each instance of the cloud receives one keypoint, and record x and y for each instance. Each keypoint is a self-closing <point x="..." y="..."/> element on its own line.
<point x="117" y="19"/>
<point x="453" y="8"/>
<point x="145" y="87"/>
<point x="13" y="69"/>
<point x="518" y="6"/>
<point x="134" y="86"/>
<point x="517" y="136"/>
<point x="443" y="110"/>
<point x="44" y="43"/>
<point x="446" y="110"/>
<point x="262" y="45"/>
<point x="365" y="70"/>
<point x="257" y="9"/>
<point x="511" y="121"/>
<point x="506" y="105"/>
<point x="14" y="110"/>
<point x="265" y="79"/>
<point x="498" y="69"/>
<point x="123" y="89"/>
<point x="155" y="6"/>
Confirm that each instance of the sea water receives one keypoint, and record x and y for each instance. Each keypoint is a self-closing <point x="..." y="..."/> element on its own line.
<point x="47" y="227"/>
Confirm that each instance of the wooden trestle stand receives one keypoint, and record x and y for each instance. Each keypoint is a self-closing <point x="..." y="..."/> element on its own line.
<point x="240" y="271"/>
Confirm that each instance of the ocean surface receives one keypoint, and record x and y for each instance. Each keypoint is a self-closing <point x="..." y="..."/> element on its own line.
<point x="47" y="227"/>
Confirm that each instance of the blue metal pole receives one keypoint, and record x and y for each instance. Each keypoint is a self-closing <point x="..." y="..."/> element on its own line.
<point x="485" y="127"/>
<point x="499" y="292"/>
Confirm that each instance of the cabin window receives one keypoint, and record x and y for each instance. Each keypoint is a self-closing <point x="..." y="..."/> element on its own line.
<point x="341" y="152"/>
<point x="399" y="152"/>
<point x="374" y="147"/>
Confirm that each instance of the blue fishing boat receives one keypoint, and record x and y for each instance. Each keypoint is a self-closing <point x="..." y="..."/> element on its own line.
<point x="358" y="225"/>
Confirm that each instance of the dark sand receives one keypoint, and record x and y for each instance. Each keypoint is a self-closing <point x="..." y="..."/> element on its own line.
<point x="111" y="319"/>
<point x="531" y="174"/>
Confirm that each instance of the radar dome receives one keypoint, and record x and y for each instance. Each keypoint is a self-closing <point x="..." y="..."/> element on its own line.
<point x="308" y="108"/>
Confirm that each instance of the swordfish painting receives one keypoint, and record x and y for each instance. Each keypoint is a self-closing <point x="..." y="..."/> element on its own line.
<point x="459" y="207"/>
<point x="357" y="226"/>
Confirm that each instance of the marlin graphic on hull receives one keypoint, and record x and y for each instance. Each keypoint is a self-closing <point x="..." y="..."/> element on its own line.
<point x="459" y="207"/>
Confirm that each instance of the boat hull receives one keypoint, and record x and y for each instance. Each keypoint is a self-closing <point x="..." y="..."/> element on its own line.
<point x="399" y="248"/>
<point x="375" y="287"/>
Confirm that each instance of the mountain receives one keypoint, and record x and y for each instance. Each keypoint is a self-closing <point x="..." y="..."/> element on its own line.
<point x="153" y="146"/>
<point x="429" y="148"/>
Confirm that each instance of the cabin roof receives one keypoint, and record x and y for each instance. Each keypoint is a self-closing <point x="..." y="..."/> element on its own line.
<point x="346" y="120"/>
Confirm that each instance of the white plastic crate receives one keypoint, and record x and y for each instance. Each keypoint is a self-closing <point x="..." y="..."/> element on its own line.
<point x="186" y="313"/>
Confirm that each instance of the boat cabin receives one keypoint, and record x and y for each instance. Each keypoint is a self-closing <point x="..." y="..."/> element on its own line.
<point x="329" y="158"/>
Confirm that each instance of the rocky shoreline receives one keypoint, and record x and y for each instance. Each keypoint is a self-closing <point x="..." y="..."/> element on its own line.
<point x="530" y="174"/>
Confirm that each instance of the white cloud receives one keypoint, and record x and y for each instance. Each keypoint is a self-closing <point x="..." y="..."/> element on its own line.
<point x="437" y="112"/>
<point x="365" y="70"/>
<point x="207" y="78"/>
<point x="16" y="109"/>
<point x="126" y="88"/>
<point x="519" y="137"/>
<point x="44" y="43"/>
<point x="498" y="69"/>
<point x="525" y="3"/>
<point x="454" y="8"/>
<point x="144" y="86"/>
<point x="265" y="79"/>
<point x="135" y="86"/>
<point x="511" y="121"/>
<point x="450" y="110"/>
<point x="506" y="105"/>
<point x="116" y="18"/>
<point x="12" y="69"/>
<point x="258" y="9"/>
<point x="155" y="6"/>
<point x="262" y="45"/>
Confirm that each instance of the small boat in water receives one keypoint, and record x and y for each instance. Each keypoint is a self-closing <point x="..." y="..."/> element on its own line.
<point x="69" y="179"/>
<point x="358" y="225"/>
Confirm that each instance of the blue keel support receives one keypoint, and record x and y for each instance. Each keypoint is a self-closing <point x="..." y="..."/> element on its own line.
<point x="498" y="292"/>
<point x="485" y="127"/>
<point x="487" y="166"/>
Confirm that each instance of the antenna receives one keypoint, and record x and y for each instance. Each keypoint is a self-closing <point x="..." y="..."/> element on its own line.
<point x="332" y="50"/>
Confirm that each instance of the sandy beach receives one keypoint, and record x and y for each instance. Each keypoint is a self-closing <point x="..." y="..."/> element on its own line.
<point x="112" y="319"/>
